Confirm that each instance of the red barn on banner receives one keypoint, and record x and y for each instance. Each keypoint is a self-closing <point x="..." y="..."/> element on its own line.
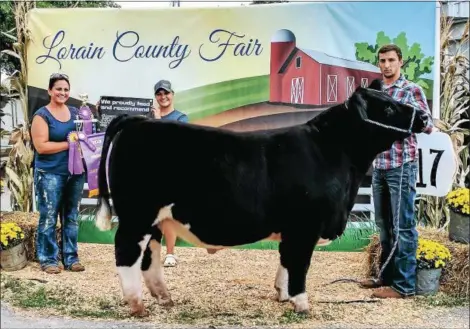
<point x="309" y="77"/>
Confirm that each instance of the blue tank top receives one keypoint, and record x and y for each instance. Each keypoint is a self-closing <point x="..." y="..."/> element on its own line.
<point x="56" y="163"/>
<point x="176" y="116"/>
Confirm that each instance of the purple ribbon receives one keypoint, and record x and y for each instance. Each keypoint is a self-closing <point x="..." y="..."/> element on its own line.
<point x="91" y="147"/>
<point x="84" y="138"/>
<point x="75" y="158"/>
<point x="85" y="114"/>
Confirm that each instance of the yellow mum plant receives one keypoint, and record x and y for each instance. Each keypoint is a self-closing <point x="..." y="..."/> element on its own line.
<point x="431" y="254"/>
<point x="11" y="235"/>
<point x="459" y="200"/>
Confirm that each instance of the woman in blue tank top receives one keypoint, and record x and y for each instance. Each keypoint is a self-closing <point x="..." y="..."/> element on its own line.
<point x="57" y="191"/>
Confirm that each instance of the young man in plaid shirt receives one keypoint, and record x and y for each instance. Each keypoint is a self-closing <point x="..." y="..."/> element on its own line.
<point x="398" y="163"/>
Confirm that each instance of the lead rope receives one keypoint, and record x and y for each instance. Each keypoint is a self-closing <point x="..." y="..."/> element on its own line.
<point x="396" y="229"/>
<point x="396" y="221"/>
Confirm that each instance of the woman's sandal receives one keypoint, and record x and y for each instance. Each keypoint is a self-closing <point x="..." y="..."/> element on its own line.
<point x="170" y="261"/>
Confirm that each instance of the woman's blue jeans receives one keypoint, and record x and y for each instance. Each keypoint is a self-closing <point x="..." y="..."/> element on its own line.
<point x="57" y="195"/>
<point x="400" y="272"/>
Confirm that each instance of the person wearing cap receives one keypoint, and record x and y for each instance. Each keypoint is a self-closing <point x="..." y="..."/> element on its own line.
<point x="163" y="93"/>
<point x="164" y="97"/>
<point x="165" y="110"/>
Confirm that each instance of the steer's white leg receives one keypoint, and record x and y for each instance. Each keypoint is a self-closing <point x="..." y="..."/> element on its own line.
<point x="281" y="284"/>
<point x="153" y="276"/>
<point x="296" y="249"/>
<point x="300" y="302"/>
<point x="130" y="275"/>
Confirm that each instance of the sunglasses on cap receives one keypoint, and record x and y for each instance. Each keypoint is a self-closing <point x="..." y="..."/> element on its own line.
<point x="58" y="75"/>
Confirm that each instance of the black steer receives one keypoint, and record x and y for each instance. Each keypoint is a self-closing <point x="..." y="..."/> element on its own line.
<point x="218" y="188"/>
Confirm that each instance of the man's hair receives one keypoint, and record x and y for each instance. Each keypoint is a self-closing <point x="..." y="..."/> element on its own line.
<point x="386" y="48"/>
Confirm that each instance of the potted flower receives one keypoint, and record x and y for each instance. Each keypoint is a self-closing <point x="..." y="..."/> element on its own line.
<point x="458" y="202"/>
<point x="12" y="249"/>
<point x="432" y="257"/>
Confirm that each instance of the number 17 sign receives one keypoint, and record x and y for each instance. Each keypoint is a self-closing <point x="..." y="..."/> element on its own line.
<point x="436" y="164"/>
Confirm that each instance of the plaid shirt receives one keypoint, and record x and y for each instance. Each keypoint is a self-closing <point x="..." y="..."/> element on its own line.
<point x="404" y="151"/>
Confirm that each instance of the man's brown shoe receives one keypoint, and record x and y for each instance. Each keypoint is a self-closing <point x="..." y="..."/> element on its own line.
<point x="387" y="292"/>
<point x="51" y="269"/>
<point x="77" y="267"/>
<point x="370" y="284"/>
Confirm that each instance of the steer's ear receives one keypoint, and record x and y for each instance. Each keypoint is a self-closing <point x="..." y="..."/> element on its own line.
<point x="376" y="84"/>
<point x="358" y="104"/>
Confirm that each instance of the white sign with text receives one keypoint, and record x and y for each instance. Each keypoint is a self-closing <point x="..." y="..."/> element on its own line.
<point x="436" y="165"/>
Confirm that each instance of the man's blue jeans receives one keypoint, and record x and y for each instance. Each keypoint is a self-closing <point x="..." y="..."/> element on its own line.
<point x="57" y="195"/>
<point x="400" y="272"/>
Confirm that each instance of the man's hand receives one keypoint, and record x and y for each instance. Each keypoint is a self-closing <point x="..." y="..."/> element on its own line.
<point x="156" y="112"/>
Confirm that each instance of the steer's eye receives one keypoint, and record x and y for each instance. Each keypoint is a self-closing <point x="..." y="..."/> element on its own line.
<point x="388" y="111"/>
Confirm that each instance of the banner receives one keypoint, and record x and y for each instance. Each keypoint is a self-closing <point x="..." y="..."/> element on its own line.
<point x="240" y="68"/>
<point x="111" y="106"/>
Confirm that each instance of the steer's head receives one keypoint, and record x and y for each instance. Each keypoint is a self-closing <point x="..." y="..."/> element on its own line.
<point x="382" y="118"/>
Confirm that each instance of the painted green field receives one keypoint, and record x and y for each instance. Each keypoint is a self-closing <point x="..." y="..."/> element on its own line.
<point x="355" y="238"/>
<point x="215" y="98"/>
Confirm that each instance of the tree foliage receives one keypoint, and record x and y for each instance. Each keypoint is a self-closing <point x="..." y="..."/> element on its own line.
<point x="256" y="2"/>
<point x="7" y="24"/>
<point x="415" y="64"/>
<point x="76" y="4"/>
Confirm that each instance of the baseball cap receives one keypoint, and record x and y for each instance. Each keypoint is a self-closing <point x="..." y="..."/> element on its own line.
<point x="163" y="84"/>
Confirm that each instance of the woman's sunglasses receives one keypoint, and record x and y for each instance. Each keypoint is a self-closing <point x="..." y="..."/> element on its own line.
<point x="58" y="76"/>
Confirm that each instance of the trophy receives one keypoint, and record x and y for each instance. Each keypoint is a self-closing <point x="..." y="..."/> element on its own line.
<point x="85" y="121"/>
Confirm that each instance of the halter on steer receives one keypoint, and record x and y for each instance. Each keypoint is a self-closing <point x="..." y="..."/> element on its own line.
<point x="395" y="128"/>
<point x="391" y="127"/>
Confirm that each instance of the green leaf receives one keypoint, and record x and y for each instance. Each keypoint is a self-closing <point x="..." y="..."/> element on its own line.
<point x="382" y="39"/>
<point x="9" y="36"/>
<point x="366" y="53"/>
<point x="13" y="176"/>
<point x="426" y="64"/>
<point x="409" y="71"/>
<point x="15" y="193"/>
<point x="459" y="123"/>
<point x="11" y="53"/>
<point x="402" y="42"/>
<point x="422" y="84"/>
<point x="414" y="53"/>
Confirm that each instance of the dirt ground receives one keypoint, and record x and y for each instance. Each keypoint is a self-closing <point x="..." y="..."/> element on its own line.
<point x="229" y="288"/>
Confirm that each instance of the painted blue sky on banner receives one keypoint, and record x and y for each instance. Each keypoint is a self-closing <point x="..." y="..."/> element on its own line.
<point x="337" y="29"/>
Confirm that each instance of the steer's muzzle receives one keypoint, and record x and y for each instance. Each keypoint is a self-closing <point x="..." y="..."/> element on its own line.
<point x="420" y="121"/>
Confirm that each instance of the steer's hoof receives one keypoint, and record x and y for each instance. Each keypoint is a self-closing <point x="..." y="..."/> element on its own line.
<point x="282" y="295"/>
<point x="166" y="302"/>
<point x="300" y="303"/>
<point x="138" y="310"/>
<point x="301" y="309"/>
<point x="141" y="313"/>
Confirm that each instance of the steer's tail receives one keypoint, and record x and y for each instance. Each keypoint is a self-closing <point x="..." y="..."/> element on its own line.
<point x="103" y="216"/>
